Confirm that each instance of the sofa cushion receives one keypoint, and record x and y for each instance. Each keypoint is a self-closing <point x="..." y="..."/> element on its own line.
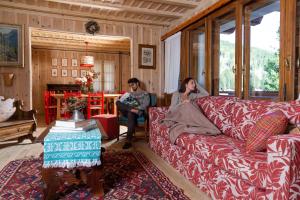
<point x="268" y="125"/>
<point x="228" y="154"/>
<point x="235" y="117"/>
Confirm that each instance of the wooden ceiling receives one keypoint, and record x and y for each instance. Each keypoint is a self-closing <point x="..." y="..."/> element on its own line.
<point x="61" y="40"/>
<point x="154" y="12"/>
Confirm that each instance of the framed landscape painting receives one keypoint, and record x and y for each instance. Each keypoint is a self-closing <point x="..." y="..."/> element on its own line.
<point x="147" y="56"/>
<point x="11" y="45"/>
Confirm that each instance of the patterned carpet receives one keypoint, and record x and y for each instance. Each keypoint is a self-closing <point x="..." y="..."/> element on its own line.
<point x="127" y="175"/>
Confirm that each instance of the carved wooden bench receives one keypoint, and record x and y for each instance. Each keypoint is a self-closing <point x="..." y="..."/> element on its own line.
<point x="21" y="125"/>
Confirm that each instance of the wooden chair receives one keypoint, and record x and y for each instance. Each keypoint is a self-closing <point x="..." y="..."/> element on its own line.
<point x="142" y="121"/>
<point x="95" y="103"/>
<point x="50" y="107"/>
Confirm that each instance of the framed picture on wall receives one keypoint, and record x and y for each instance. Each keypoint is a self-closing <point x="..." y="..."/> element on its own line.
<point x="54" y="62"/>
<point x="53" y="72"/>
<point x="64" y="72"/>
<point x="147" y="56"/>
<point x="74" y="62"/>
<point x="11" y="45"/>
<point x="74" y="73"/>
<point x="83" y="73"/>
<point x="64" y="62"/>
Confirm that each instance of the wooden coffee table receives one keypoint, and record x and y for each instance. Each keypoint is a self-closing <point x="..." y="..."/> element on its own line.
<point x="54" y="177"/>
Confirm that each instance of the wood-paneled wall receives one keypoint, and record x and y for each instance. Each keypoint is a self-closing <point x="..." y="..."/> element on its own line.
<point x="139" y="34"/>
<point x="42" y="68"/>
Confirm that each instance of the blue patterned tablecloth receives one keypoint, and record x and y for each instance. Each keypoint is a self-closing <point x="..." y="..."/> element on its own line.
<point x="77" y="149"/>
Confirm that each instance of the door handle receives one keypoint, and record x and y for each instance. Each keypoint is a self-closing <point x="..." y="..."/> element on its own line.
<point x="234" y="68"/>
<point x="298" y="63"/>
<point x="287" y="63"/>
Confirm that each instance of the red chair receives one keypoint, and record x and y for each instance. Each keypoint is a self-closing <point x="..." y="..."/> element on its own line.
<point x="50" y="107"/>
<point x="67" y="96"/>
<point x="95" y="103"/>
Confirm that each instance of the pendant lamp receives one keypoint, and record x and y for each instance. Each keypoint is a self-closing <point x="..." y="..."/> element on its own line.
<point x="86" y="61"/>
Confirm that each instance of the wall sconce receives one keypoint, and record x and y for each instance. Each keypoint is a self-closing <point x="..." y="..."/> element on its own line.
<point x="8" y="78"/>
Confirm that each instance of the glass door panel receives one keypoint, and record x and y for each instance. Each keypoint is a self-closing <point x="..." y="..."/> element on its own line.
<point x="263" y="44"/>
<point x="224" y="36"/>
<point x="197" y="55"/>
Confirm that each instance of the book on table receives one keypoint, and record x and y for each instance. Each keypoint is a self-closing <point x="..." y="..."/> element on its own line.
<point x="74" y="124"/>
<point x="63" y="126"/>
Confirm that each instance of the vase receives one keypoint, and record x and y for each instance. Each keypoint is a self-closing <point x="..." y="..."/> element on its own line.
<point x="77" y="116"/>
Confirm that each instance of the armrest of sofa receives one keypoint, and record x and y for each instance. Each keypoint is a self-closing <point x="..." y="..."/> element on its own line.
<point x="283" y="167"/>
<point x="156" y="114"/>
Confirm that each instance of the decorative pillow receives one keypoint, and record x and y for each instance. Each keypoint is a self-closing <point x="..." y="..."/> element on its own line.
<point x="268" y="125"/>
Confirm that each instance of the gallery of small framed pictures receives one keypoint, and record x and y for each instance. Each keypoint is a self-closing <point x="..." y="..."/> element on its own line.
<point x="61" y="67"/>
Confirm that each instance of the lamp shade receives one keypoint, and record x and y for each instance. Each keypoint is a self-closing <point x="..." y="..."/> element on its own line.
<point x="87" y="61"/>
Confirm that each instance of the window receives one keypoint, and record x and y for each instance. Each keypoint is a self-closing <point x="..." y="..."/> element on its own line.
<point x="106" y="80"/>
<point x="264" y="34"/>
<point x="109" y="76"/>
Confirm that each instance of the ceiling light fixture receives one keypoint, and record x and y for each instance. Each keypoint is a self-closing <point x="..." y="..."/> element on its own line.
<point x="86" y="61"/>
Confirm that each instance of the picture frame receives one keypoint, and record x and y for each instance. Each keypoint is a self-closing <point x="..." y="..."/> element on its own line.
<point x="74" y="73"/>
<point x="54" y="62"/>
<point x="74" y="62"/>
<point x="64" y="62"/>
<point x="83" y="73"/>
<point x="11" y="45"/>
<point x="54" y="72"/>
<point x="64" y="72"/>
<point x="147" y="56"/>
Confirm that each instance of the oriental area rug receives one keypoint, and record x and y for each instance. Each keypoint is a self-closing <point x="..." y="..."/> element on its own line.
<point x="127" y="175"/>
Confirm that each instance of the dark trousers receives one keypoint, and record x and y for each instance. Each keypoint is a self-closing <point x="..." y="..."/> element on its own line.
<point x="132" y="118"/>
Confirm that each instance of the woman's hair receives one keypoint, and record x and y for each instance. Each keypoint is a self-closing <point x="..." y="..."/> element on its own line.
<point x="184" y="82"/>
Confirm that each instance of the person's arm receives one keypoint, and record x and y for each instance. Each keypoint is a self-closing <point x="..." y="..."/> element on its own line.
<point x="201" y="93"/>
<point x="144" y="102"/>
<point x="174" y="100"/>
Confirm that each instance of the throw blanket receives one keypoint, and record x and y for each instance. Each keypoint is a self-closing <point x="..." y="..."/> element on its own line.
<point x="187" y="117"/>
<point x="72" y="149"/>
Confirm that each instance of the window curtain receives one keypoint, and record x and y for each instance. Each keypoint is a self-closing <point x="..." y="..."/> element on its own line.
<point x="109" y="76"/>
<point x="172" y="62"/>
<point x="97" y="85"/>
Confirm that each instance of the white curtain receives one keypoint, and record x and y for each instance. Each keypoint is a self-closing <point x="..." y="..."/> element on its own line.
<point x="109" y="76"/>
<point x="172" y="62"/>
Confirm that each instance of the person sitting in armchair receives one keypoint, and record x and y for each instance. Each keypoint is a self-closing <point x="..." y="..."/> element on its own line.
<point x="132" y="105"/>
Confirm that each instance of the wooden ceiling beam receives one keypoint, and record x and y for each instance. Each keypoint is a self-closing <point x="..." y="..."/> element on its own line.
<point x="119" y="7"/>
<point x="185" y="3"/>
<point x="24" y="6"/>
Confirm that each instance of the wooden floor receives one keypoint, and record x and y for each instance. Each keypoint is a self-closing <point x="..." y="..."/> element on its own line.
<point x="11" y="151"/>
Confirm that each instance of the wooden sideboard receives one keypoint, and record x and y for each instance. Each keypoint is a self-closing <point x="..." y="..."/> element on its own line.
<point x="60" y="88"/>
<point x="19" y="126"/>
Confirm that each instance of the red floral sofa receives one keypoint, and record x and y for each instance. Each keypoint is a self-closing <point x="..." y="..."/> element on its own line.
<point x="219" y="165"/>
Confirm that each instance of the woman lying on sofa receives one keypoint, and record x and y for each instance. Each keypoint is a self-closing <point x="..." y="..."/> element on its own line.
<point x="185" y="116"/>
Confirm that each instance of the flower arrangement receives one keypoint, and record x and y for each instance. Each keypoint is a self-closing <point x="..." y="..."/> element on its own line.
<point x="86" y="82"/>
<point x="74" y="103"/>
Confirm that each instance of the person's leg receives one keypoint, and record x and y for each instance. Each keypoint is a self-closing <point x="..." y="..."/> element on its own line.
<point x="132" y="117"/>
<point x="131" y="123"/>
<point x="123" y="107"/>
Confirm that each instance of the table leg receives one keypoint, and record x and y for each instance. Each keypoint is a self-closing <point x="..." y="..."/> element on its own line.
<point x="51" y="181"/>
<point x="95" y="181"/>
<point x="58" y="109"/>
<point x="115" y="106"/>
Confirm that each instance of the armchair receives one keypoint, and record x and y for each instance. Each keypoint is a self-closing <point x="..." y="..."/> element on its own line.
<point x="142" y="121"/>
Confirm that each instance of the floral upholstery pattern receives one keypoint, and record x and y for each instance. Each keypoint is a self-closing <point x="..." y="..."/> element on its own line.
<point x="220" y="165"/>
